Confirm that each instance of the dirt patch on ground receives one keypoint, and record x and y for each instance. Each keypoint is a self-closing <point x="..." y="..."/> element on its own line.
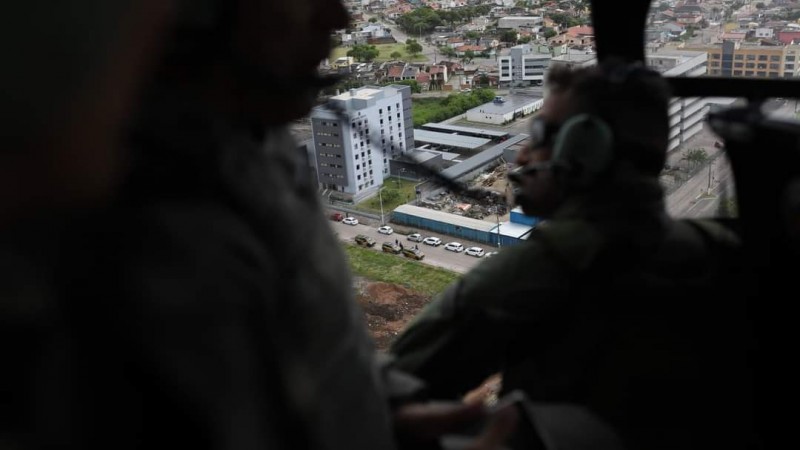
<point x="387" y="308"/>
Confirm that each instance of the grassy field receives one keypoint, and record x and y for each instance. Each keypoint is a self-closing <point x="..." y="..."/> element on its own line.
<point x="378" y="266"/>
<point x="396" y="192"/>
<point x="385" y="51"/>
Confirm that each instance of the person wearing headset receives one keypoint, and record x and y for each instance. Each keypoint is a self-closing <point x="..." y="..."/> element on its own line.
<point x="597" y="307"/>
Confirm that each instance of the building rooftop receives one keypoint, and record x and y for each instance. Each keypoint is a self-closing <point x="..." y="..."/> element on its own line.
<point x="481" y="159"/>
<point x="449" y="139"/>
<point x="512" y="103"/>
<point x="361" y="94"/>
<point x="456" y="128"/>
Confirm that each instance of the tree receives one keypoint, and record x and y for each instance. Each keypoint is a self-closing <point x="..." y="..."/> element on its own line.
<point x="415" y="87"/>
<point x="395" y="55"/>
<point x="472" y="35"/>
<point x="364" y="52"/>
<point x="413" y="47"/>
<point x="448" y="52"/>
<point x="373" y="19"/>
<point x="695" y="157"/>
<point x="509" y="36"/>
<point x="548" y="32"/>
<point x="469" y="55"/>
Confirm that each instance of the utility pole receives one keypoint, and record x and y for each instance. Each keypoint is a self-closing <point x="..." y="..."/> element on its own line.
<point x="497" y="215"/>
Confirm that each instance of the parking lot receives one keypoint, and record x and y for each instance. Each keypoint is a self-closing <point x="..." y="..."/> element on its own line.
<point x="435" y="255"/>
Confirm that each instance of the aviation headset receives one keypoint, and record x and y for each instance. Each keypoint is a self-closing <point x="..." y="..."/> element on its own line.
<point x="585" y="146"/>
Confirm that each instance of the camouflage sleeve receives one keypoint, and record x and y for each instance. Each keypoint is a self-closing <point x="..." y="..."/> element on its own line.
<point x="461" y="337"/>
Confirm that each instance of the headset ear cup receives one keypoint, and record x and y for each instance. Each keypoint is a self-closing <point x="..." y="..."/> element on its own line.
<point x="585" y="146"/>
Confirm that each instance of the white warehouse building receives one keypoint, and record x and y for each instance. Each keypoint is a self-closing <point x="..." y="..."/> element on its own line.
<point x="354" y="140"/>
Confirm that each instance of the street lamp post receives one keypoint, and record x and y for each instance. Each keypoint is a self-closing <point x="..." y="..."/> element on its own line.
<point x="380" y="198"/>
<point x="710" y="164"/>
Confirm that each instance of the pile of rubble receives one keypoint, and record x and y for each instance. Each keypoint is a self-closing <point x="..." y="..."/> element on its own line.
<point x="447" y="201"/>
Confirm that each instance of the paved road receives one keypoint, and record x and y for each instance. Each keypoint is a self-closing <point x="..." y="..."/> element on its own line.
<point x="435" y="256"/>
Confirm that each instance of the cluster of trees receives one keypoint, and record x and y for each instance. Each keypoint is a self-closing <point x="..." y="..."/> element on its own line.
<point x="424" y="20"/>
<point x="364" y="52"/>
<point x="438" y="109"/>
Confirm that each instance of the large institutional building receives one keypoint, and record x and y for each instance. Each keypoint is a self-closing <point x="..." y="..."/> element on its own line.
<point x="736" y="59"/>
<point x="525" y="65"/>
<point x="355" y="137"/>
<point x="686" y="114"/>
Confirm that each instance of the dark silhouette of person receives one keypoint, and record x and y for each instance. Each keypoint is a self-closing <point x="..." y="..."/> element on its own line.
<point x="610" y="304"/>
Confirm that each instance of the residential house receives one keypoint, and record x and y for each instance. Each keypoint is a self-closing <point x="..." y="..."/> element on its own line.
<point x="424" y="80"/>
<point x="765" y="33"/>
<point x="455" y="42"/>
<point x="438" y="76"/>
<point x="789" y="36"/>
<point x="475" y="49"/>
<point x="577" y="35"/>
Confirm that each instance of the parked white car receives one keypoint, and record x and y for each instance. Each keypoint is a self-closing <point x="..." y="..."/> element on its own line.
<point x="415" y="237"/>
<point x="386" y="229"/>
<point x="432" y="240"/>
<point x="350" y="221"/>
<point x="454" y="247"/>
<point x="474" y="251"/>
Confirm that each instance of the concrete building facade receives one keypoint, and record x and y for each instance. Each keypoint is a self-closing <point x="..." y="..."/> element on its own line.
<point x="523" y="66"/>
<point x="736" y="59"/>
<point x="354" y="139"/>
<point x="686" y="114"/>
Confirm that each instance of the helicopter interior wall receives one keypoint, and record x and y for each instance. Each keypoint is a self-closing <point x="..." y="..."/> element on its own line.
<point x="766" y="164"/>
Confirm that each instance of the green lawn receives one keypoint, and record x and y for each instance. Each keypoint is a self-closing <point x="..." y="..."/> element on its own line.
<point x="396" y="192"/>
<point x="385" y="51"/>
<point x="388" y="268"/>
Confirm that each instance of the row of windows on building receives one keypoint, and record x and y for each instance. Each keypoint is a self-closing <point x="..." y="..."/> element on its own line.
<point x="753" y="57"/>
<point x="773" y="66"/>
<point x="750" y="73"/>
<point x="389" y="108"/>
<point x="329" y="124"/>
<point x="332" y="166"/>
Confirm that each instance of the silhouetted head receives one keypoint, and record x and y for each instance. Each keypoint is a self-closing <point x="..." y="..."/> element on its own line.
<point x="71" y="73"/>
<point x="594" y="121"/>
<point x="256" y="60"/>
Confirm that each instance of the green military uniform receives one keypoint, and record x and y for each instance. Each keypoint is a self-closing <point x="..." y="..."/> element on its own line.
<point x="609" y="304"/>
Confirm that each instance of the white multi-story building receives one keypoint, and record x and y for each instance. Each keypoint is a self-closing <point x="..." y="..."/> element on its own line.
<point x="355" y="138"/>
<point x="686" y="114"/>
<point x="525" y="65"/>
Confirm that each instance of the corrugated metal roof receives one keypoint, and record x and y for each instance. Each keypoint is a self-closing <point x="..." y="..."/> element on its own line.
<point x="481" y="159"/>
<point x="511" y="104"/>
<point x="444" y="217"/>
<point x="456" y="128"/>
<point x="449" y="139"/>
